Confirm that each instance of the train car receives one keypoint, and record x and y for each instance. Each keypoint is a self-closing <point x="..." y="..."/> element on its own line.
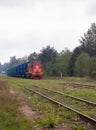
<point x="11" y="71"/>
<point x="21" y="70"/>
<point x="32" y="70"/>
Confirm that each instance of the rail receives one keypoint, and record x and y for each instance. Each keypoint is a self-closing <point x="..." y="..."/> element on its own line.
<point x="87" y="118"/>
<point x="80" y="99"/>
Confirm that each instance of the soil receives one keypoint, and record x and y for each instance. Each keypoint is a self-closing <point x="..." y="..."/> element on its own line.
<point x="59" y="127"/>
<point x="28" y="112"/>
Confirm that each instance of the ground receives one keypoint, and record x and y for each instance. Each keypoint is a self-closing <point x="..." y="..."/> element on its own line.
<point x="31" y="114"/>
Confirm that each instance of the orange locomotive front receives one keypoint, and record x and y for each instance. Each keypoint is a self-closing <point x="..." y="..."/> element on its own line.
<point x="35" y="70"/>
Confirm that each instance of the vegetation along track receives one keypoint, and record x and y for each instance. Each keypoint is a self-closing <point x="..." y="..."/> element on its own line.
<point x="74" y="97"/>
<point x="79" y="85"/>
<point x="61" y="100"/>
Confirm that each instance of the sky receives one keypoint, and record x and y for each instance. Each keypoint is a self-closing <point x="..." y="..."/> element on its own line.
<point x="26" y="26"/>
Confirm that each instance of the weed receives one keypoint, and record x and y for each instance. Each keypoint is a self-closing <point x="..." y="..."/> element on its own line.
<point x="50" y="119"/>
<point x="77" y="128"/>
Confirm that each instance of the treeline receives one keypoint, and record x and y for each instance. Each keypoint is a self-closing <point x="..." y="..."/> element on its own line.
<point x="81" y="62"/>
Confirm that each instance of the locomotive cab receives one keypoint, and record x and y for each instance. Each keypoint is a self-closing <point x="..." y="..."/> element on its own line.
<point x="35" y="70"/>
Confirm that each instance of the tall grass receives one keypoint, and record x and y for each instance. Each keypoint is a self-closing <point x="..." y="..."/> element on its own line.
<point x="10" y="116"/>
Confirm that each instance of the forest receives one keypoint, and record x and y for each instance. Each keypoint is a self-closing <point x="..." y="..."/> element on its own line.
<point x="81" y="62"/>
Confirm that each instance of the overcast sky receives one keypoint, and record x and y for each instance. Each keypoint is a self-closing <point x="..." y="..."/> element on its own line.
<point x="29" y="25"/>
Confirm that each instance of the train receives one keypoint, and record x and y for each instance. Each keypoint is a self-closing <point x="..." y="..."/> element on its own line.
<point x="33" y="70"/>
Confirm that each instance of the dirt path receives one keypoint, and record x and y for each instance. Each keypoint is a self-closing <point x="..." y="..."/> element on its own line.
<point x="28" y="112"/>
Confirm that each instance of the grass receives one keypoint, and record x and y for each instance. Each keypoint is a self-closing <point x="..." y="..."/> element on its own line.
<point x="50" y="119"/>
<point x="88" y="94"/>
<point x="55" y="114"/>
<point x="10" y="116"/>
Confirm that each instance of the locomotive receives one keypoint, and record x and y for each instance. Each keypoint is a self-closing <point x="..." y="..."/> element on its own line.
<point x="32" y="70"/>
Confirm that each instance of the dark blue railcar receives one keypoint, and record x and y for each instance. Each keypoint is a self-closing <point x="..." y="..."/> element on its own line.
<point x="21" y="70"/>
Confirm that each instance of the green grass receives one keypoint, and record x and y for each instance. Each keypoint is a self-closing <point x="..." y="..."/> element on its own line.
<point x="55" y="114"/>
<point x="50" y="119"/>
<point x="10" y="116"/>
<point x="88" y="94"/>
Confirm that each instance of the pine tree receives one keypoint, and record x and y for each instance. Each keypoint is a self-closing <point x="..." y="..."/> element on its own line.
<point x="89" y="41"/>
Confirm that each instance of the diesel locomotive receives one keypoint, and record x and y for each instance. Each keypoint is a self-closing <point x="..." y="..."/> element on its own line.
<point x="32" y="70"/>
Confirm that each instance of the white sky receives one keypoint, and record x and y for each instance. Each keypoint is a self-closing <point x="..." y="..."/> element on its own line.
<point x="29" y="25"/>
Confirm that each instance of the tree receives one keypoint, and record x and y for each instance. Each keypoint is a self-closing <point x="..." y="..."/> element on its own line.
<point x="89" y="41"/>
<point x="88" y="45"/>
<point x="22" y="60"/>
<point x="82" y="65"/>
<point x="13" y="61"/>
<point x="93" y="67"/>
<point x="62" y="62"/>
<point x="60" y="66"/>
<point x="5" y="66"/>
<point x="49" y="69"/>
<point x="1" y="67"/>
<point x="33" y="56"/>
<point x="47" y="55"/>
<point x="77" y="51"/>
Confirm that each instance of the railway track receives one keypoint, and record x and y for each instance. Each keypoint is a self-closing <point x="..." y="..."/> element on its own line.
<point x="79" y="85"/>
<point x="48" y="95"/>
<point x="73" y="97"/>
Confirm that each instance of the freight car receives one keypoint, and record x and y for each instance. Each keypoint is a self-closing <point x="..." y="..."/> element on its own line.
<point x="32" y="70"/>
